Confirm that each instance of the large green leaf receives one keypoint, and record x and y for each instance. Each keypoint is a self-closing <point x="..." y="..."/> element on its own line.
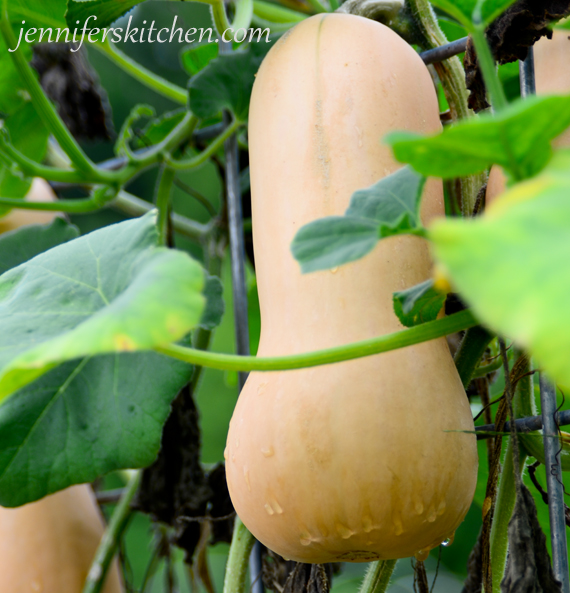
<point x="197" y="57"/>
<point x="84" y="419"/>
<point x="462" y="10"/>
<point x="518" y="139"/>
<point x="110" y="291"/>
<point x="106" y="11"/>
<point x="20" y="245"/>
<point x="512" y="265"/>
<point x="41" y="13"/>
<point x="226" y="82"/>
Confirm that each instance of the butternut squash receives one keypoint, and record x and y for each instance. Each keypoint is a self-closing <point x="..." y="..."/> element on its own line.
<point x="552" y="75"/>
<point x="40" y="191"/>
<point x="358" y="460"/>
<point x="48" y="546"/>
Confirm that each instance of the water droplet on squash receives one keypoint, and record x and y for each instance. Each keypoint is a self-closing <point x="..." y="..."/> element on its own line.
<point x="432" y="515"/>
<point x="398" y="527"/>
<point x="237" y="443"/>
<point x="246" y="477"/>
<point x="268" y="451"/>
<point x="419" y="507"/>
<point x="261" y="388"/>
<point x="344" y="531"/>
<point x="305" y="539"/>
<point x="448" y="540"/>
<point x="36" y="586"/>
<point x="367" y="524"/>
<point x="226" y="454"/>
<point x="422" y="555"/>
<point x="441" y="507"/>
<point x="275" y="505"/>
<point x="334" y="270"/>
<point x="268" y="508"/>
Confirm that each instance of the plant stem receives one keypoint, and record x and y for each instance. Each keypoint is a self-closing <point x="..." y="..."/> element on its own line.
<point x="41" y="103"/>
<point x="377" y="577"/>
<point x="196" y="231"/>
<point x="104" y="555"/>
<point x="470" y="351"/>
<point x="485" y="369"/>
<point x="212" y="148"/>
<point x="240" y="549"/>
<point x="507" y="491"/>
<point x="163" y="194"/>
<point x="275" y="13"/>
<point x="242" y="20"/>
<point x="79" y="206"/>
<point x="144" y="75"/>
<point x="488" y="68"/>
<point x="452" y="76"/>
<point x="407" y="337"/>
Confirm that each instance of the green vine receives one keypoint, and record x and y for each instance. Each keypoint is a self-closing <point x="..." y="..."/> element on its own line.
<point x="377" y="577"/>
<point x="407" y="337"/>
<point x="240" y="549"/>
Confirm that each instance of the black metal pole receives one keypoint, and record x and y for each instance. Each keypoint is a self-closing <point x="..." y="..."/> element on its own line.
<point x="554" y="483"/>
<point x="527" y="424"/>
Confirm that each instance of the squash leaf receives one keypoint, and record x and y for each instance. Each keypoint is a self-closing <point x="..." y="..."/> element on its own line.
<point x="226" y="82"/>
<point x="24" y="243"/>
<point x="462" y="10"/>
<point x="106" y="11"/>
<point x="394" y="202"/>
<point x="87" y="417"/>
<point x="41" y="13"/>
<point x="83" y="419"/>
<point x="518" y="139"/>
<point x="197" y="57"/>
<point x="418" y="304"/>
<point x="215" y="306"/>
<point x="333" y="241"/>
<point x="389" y="207"/>
<point x="110" y="291"/>
<point x="511" y="265"/>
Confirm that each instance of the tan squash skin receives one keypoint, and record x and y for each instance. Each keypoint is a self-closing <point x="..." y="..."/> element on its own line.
<point x="552" y="75"/>
<point x="48" y="546"/>
<point x="39" y="192"/>
<point x="348" y="461"/>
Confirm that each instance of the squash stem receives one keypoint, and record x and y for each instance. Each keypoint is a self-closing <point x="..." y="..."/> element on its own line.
<point x="110" y="541"/>
<point x="470" y="351"/>
<point x="145" y="76"/>
<point x="163" y="193"/>
<point x="506" y="494"/>
<point x="377" y="577"/>
<point x="238" y="559"/>
<point x="452" y="77"/>
<point x="488" y="68"/>
<point x="407" y="337"/>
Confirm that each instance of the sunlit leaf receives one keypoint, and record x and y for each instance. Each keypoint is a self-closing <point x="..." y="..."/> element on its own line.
<point x="512" y="265"/>
<point x="518" y="139"/>
<point x="110" y="291"/>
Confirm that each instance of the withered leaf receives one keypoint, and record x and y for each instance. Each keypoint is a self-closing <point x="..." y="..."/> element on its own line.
<point x="510" y="36"/>
<point x="528" y="568"/>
